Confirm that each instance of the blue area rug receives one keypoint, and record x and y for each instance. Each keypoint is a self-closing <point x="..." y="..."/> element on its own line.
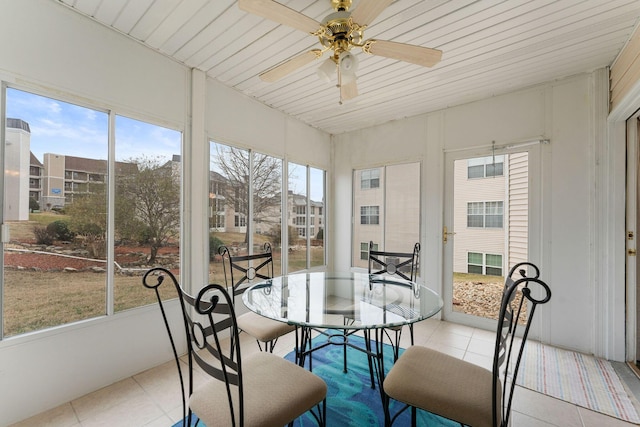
<point x="350" y="399"/>
<point x="351" y="402"/>
<point x="194" y="420"/>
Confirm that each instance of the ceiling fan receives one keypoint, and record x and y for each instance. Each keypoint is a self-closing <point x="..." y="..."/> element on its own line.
<point x="339" y="32"/>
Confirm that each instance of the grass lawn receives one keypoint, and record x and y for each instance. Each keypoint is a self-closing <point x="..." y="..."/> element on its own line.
<point x="38" y="299"/>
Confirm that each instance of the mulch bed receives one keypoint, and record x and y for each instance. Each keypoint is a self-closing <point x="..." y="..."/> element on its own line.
<point x="125" y="256"/>
<point x="480" y="299"/>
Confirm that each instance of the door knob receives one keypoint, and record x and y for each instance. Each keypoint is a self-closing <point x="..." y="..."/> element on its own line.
<point x="445" y="234"/>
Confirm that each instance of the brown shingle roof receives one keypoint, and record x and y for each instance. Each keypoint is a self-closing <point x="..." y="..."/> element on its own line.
<point x="33" y="160"/>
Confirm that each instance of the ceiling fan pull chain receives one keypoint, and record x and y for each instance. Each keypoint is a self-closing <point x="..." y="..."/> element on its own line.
<point x="339" y="82"/>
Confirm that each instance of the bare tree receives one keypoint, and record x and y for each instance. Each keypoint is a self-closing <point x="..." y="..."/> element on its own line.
<point x="148" y="203"/>
<point x="233" y="164"/>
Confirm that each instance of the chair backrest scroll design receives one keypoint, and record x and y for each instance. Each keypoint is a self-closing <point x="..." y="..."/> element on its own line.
<point x="159" y="274"/>
<point x="514" y="313"/>
<point x="205" y="318"/>
<point x="230" y="366"/>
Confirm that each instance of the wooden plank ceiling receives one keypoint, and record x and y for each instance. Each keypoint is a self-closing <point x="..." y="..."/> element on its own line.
<point x="489" y="47"/>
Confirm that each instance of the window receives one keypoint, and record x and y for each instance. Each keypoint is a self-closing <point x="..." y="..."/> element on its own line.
<point x="485" y="214"/>
<point x="216" y="213"/>
<point x="369" y="214"/>
<point x="364" y="250"/>
<point x="240" y="220"/>
<point x="475" y="214"/>
<point x="474" y="261"/>
<point x="147" y="200"/>
<point x="238" y="176"/>
<point x="484" y="167"/>
<point x="493" y="214"/>
<point x="493" y="265"/>
<point x="485" y="264"/>
<point x="306" y="191"/>
<point x="370" y="179"/>
<point x="77" y="152"/>
<point x="389" y="215"/>
<point x="69" y="297"/>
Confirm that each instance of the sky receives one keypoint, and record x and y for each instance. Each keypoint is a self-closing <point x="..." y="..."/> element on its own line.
<point x="62" y="128"/>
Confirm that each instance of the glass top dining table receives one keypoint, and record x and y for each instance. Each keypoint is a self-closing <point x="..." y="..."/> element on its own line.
<point x="324" y="299"/>
<point x="349" y="302"/>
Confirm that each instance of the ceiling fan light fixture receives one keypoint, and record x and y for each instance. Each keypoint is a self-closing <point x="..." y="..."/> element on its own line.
<point x="326" y="70"/>
<point x="348" y="64"/>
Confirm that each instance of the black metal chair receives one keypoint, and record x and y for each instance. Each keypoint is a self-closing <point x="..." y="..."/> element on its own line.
<point x="240" y="271"/>
<point x="462" y="391"/>
<point x="401" y="264"/>
<point x="262" y="389"/>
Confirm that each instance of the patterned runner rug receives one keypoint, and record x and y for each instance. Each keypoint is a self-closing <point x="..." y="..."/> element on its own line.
<point x="576" y="378"/>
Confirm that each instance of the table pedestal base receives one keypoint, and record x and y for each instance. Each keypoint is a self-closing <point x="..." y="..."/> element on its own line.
<point x="375" y="352"/>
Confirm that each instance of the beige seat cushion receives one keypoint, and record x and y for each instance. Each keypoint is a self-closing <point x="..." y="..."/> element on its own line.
<point x="262" y="328"/>
<point x="442" y="384"/>
<point x="276" y="392"/>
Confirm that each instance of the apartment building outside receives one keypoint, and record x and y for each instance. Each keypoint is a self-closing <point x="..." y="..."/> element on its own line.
<point x="55" y="181"/>
<point x="386" y="210"/>
<point x="490" y="213"/>
<point x="35" y="179"/>
<point x="297" y="218"/>
<point x="226" y="215"/>
<point x="17" y="170"/>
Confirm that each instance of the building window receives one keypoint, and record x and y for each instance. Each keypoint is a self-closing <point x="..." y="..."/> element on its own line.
<point x="484" y="167"/>
<point x="369" y="215"/>
<point x="217" y="221"/>
<point x="240" y="220"/>
<point x="370" y="179"/>
<point x="486" y="264"/>
<point x="493" y="214"/>
<point x="485" y="214"/>
<point x="364" y="250"/>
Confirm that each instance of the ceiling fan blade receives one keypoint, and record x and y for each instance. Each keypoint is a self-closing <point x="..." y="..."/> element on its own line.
<point x="368" y="10"/>
<point x="424" y="56"/>
<point x="280" y="13"/>
<point x="348" y="91"/>
<point x="290" y="65"/>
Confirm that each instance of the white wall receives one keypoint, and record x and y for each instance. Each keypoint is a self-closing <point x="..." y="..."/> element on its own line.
<point x="53" y="51"/>
<point x="560" y="111"/>
<point x="48" y="49"/>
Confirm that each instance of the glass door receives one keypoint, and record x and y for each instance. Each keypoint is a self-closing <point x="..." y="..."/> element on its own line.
<point x="486" y="230"/>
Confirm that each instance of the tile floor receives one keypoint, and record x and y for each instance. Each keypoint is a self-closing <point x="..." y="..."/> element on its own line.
<point x="152" y="398"/>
